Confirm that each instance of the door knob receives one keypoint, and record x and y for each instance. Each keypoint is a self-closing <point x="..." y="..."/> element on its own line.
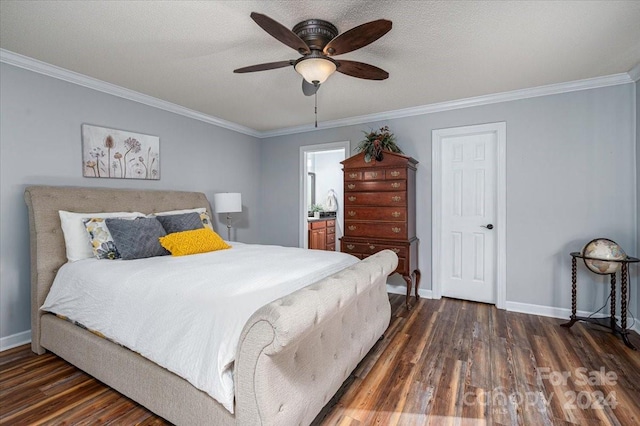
<point x="489" y="226"/>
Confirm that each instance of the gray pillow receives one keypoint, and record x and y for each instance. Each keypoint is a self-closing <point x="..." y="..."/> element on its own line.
<point x="180" y="222"/>
<point x="137" y="238"/>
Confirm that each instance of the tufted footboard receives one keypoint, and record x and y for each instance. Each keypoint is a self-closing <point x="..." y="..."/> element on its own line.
<point x="295" y="353"/>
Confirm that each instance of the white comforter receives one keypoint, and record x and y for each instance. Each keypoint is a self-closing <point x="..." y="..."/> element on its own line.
<point x="186" y="313"/>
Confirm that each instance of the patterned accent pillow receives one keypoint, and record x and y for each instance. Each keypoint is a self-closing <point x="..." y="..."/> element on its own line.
<point x="206" y="220"/>
<point x="138" y="238"/>
<point x="181" y="222"/>
<point x="101" y="240"/>
<point x="192" y="242"/>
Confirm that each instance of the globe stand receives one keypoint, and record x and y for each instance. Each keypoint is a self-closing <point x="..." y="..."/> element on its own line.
<point x="610" y="322"/>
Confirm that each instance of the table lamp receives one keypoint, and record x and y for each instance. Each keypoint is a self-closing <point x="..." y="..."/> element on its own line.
<point x="228" y="202"/>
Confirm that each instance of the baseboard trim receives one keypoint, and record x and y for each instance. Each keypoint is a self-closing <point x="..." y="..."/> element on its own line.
<point x="563" y="313"/>
<point x="18" y="339"/>
<point x="394" y="289"/>
<point x="544" y="311"/>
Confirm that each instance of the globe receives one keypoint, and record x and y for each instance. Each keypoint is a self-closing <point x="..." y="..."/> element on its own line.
<point x="604" y="250"/>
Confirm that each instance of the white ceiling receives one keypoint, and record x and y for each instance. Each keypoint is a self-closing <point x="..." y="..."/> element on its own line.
<point x="184" y="52"/>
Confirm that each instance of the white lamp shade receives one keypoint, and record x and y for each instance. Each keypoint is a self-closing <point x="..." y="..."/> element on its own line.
<point x="315" y="69"/>
<point x="227" y="202"/>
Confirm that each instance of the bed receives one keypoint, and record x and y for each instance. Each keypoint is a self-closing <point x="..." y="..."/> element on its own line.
<point x="293" y="353"/>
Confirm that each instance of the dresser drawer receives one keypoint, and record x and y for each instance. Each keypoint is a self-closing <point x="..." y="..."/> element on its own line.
<point x="352" y="175"/>
<point x="375" y="229"/>
<point x="373" y="175"/>
<point x="403" y="264"/>
<point x="331" y="238"/>
<point x="372" y="248"/>
<point x="331" y="223"/>
<point x="331" y="247"/>
<point x="395" y="174"/>
<point x="320" y="224"/>
<point x="331" y="230"/>
<point x="381" y="185"/>
<point x="390" y="198"/>
<point x="377" y="213"/>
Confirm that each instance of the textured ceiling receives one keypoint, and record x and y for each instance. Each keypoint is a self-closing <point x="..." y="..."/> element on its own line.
<point x="184" y="52"/>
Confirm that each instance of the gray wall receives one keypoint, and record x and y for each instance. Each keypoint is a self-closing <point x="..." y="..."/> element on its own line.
<point x="570" y="178"/>
<point x="40" y="143"/>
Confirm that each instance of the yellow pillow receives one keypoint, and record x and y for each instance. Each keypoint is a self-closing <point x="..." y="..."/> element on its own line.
<point x="192" y="242"/>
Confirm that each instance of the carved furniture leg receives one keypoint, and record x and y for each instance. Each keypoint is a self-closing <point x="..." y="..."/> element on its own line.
<point x="613" y="302"/>
<point x="408" y="279"/>
<point x="573" y="294"/>
<point x="417" y="275"/>
<point x="623" y="306"/>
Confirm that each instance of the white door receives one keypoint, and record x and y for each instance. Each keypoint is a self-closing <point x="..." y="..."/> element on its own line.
<point x="468" y="234"/>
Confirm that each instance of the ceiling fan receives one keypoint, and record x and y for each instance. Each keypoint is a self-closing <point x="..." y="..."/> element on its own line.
<point x="318" y="41"/>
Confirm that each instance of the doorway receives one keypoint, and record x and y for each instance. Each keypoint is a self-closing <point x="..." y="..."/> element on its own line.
<point x="469" y="213"/>
<point x="321" y="171"/>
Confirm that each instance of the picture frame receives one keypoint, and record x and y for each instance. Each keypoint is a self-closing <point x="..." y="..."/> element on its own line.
<point x="119" y="154"/>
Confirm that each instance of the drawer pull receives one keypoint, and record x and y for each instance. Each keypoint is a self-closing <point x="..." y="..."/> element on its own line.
<point x="396" y="229"/>
<point x="396" y="214"/>
<point x="352" y="198"/>
<point x="395" y="173"/>
<point x="352" y="227"/>
<point x="352" y="213"/>
<point x="374" y="174"/>
<point x="395" y="185"/>
<point x="350" y="246"/>
<point x="395" y="198"/>
<point x="396" y="250"/>
<point x="353" y="175"/>
<point x="372" y="247"/>
<point x="351" y="185"/>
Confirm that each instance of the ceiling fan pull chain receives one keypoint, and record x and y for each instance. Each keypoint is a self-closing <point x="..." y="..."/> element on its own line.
<point x="316" y="106"/>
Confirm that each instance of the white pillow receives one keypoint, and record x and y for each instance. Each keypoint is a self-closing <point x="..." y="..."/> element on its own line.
<point x="76" y="239"/>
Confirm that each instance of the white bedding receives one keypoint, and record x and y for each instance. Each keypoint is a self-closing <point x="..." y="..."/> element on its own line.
<point x="186" y="313"/>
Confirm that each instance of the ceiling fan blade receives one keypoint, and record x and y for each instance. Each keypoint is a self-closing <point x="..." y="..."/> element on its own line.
<point x="264" y="67"/>
<point x="362" y="70"/>
<point x="357" y="37"/>
<point x="280" y="32"/>
<point x="309" y="89"/>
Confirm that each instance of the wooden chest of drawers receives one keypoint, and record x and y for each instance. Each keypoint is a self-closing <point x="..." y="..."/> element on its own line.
<point x="322" y="234"/>
<point x="379" y="205"/>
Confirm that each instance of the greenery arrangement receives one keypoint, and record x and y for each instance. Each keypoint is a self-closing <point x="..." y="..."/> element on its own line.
<point x="377" y="141"/>
<point x="317" y="208"/>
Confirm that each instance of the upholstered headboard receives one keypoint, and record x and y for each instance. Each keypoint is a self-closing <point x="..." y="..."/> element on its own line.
<point x="48" y="252"/>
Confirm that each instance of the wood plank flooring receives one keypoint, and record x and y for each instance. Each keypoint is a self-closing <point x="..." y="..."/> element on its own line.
<point x="444" y="362"/>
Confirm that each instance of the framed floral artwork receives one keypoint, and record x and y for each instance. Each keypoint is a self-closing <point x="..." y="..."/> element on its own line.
<point x="119" y="154"/>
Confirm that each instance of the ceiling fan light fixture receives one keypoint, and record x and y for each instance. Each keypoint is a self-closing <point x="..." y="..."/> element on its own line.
<point x="315" y="70"/>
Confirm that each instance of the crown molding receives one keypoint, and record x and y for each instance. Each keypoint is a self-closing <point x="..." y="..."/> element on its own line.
<point x="634" y="73"/>
<point x="514" y="95"/>
<point x="40" y="67"/>
<point x="44" y="68"/>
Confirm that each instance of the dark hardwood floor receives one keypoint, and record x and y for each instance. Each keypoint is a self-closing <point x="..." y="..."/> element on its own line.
<point x="444" y="362"/>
